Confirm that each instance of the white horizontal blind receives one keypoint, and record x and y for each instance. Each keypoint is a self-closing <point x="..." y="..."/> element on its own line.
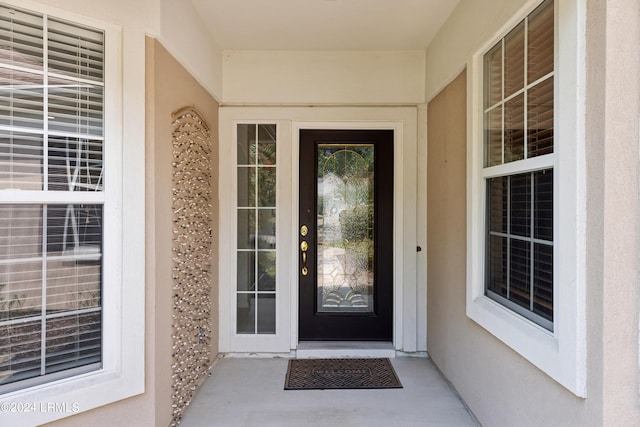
<point x="51" y="139"/>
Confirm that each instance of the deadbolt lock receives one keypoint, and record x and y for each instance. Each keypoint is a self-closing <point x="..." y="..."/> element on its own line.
<point x="304" y="230"/>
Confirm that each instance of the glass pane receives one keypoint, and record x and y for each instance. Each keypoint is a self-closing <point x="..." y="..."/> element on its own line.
<point x="246" y="277"/>
<point x="21" y="99"/>
<point x="540" y="119"/>
<point x="345" y="228"/>
<point x="540" y="56"/>
<point x="21" y="38"/>
<point x="543" y="281"/>
<point x="72" y="285"/>
<point x="266" y="314"/>
<point x="497" y="190"/>
<point x="267" y="270"/>
<point x="75" y="164"/>
<point x="75" y="108"/>
<point x="267" y="187"/>
<point x="20" y="290"/>
<point x="246" y="187"/>
<point x="20" y="161"/>
<point x="266" y="229"/>
<point x="514" y="61"/>
<point x="20" y="351"/>
<point x="20" y="231"/>
<point x="543" y="205"/>
<point x="246" y="144"/>
<point x="498" y="265"/>
<point x="520" y="199"/>
<point x="75" y="51"/>
<point x="514" y="129"/>
<point x="246" y="228"/>
<point x="493" y="137"/>
<point x="493" y="76"/>
<point x="73" y="341"/>
<point x="75" y="230"/>
<point x="519" y="273"/>
<point x="266" y="145"/>
<point x="246" y="309"/>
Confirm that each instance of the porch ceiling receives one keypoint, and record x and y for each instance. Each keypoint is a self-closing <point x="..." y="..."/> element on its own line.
<point x="323" y="24"/>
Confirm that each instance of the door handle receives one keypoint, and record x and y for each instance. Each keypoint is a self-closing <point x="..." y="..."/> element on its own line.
<point x="304" y="247"/>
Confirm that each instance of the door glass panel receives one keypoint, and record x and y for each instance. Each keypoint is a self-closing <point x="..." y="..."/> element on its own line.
<point x="345" y="241"/>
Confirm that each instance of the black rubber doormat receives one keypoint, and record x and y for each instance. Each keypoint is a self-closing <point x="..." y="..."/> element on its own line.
<point x="321" y="374"/>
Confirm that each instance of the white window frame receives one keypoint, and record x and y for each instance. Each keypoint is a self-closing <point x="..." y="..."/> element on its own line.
<point x="122" y="372"/>
<point x="560" y="353"/>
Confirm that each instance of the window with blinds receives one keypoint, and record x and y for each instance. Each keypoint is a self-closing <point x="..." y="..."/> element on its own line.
<point x="518" y="167"/>
<point x="52" y="199"/>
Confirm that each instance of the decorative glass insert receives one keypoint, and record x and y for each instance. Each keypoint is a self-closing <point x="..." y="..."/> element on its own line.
<point x="256" y="233"/>
<point x="345" y="227"/>
<point x="51" y="139"/>
<point x="518" y="117"/>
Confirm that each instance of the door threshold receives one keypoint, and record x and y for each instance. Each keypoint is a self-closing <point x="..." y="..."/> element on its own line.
<point x="349" y="349"/>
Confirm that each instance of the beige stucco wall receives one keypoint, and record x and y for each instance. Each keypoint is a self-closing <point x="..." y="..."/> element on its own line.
<point x="323" y="77"/>
<point x="501" y="387"/>
<point x="169" y="87"/>
<point x="613" y="207"/>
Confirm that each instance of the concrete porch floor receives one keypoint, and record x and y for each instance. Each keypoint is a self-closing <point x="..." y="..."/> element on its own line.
<point x="250" y="392"/>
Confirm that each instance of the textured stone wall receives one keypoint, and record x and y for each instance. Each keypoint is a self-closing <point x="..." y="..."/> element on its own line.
<point x="192" y="255"/>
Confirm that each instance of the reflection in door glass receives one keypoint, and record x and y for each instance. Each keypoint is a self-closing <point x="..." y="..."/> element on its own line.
<point x="345" y="227"/>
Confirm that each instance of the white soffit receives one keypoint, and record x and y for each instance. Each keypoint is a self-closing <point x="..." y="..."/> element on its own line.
<point x="323" y="24"/>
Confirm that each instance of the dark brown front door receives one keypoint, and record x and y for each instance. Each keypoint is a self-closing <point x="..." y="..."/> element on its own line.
<point x="345" y="246"/>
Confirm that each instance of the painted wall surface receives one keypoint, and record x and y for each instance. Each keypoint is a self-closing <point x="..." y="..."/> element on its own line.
<point x="141" y="15"/>
<point x="501" y="387"/>
<point x="169" y="87"/>
<point x="470" y="25"/>
<point x="174" y="22"/>
<point x="172" y="87"/>
<point x="613" y="206"/>
<point x="326" y="78"/>
<point x="183" y="34"/>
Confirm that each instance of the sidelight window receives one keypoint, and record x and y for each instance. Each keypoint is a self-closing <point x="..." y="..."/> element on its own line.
<point x="256" y="233"/>
<point x="518" y="167"/>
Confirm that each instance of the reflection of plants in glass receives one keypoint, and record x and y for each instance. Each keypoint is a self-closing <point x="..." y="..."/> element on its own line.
<point x="88" y="299"/>
<point x="13" y="304"/>
<point x="263" y="155"/>
<point x="357" y="224"/>
<point x="267" y="270"/>
<point x="271" y="263"/>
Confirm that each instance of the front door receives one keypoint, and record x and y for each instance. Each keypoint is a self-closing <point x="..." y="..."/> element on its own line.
<point x="345" y="246"/>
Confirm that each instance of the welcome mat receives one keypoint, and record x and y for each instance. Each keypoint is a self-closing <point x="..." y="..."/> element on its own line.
<point x="310" y="374"/>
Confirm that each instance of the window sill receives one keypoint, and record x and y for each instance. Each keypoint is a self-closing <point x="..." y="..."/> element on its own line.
<point x="70" y="396"/>
<point x="557" y="358"/>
